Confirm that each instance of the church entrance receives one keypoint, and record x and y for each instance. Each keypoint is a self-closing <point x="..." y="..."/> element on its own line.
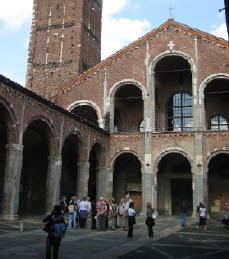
<point x="3" y="142"/>
<point x="32" y="198"/>
<point x="68" y="181"/>
<point x="127" y="179"/>
<point x="174" y="184"/>
<point x="218" y="182"/>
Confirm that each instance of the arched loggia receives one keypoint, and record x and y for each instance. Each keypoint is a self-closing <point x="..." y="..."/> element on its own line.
<point x="36" y="152"/>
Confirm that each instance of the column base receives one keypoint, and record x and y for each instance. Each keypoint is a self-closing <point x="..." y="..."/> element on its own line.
<point x="9" y="217"/>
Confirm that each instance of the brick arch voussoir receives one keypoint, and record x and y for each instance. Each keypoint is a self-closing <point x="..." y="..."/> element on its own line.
<point x="169" y="53"/>
<point x="164" y="153"/>
<point x="11" y="123"/>
<point x="82" y="151"/>
<point x="212" y="155"/>
<point x="207" y="80"/>
<point x="102" y="152"/>
<point x="120" y="152"/>
<point x="51" y="133"/>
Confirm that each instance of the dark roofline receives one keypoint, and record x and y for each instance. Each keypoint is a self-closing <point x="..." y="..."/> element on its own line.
<point x="39" y="98"/>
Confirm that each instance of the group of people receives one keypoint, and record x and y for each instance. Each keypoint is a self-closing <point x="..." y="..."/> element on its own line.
<point x="83" y="211"/>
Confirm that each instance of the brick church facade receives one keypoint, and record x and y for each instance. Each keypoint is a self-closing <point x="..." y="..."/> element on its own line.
<point x="151" y="120"/>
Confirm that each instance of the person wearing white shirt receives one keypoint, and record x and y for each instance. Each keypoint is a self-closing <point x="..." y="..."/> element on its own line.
<point x="203" y="216"/>
<point x="83" y="208"/>
<point x="131" y="212"/>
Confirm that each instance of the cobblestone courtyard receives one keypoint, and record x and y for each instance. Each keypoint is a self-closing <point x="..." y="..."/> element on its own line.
<point x="170" y="241"/>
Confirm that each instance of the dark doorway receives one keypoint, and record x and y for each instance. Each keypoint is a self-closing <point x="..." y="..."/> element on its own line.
<point x="127" y="178"/>
<point x="68" y="183"/>
<point x="181" y="191"/>
<point x="218" y="182"/>
<point x="34" y="169"/>
<point x="3" y="142"/>
<point x="94" y="159"/>
<point x="174" y="184"/>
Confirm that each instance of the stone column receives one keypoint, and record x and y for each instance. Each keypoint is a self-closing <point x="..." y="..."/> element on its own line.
<point x="155" y="192"/>
<point x="13" y="167"/>
<point x="199" y="182"/>
<point x="53" y="182"/>
<point x="109" y="183"/>
<point x="101" y="183"/>
<point x="82" y="179"/>
<point x="147" y="181"/>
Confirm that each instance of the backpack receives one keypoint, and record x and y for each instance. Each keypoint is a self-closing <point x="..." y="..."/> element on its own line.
<point x="71" y="209"/>
<point x="59" y="229"/>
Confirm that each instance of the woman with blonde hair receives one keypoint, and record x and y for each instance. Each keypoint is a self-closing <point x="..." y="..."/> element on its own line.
<point x="149" y="219"/>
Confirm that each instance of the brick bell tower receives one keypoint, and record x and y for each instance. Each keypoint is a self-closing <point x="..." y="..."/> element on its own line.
<point x="65" y="41"/>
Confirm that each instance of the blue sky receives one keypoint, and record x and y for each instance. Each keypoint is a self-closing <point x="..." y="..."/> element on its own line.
<point x="123" y="22"/>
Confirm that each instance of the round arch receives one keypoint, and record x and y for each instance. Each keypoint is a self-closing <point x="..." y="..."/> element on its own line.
<point x="51" y="132"/>
<point x="173" y="53"/>
<point x="120" y="152"/>
<point x="119" y="84"/>
<point x="91" y="104"/>
<point x="11" y="121"/>
<point x="128" y="178"/>
<point x="218" y="180"/>
<point x="165" y="152"/>
<point x="207" y="80"/>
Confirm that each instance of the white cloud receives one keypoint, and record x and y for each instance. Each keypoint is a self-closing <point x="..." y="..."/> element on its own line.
<point x="119" y="32"/>
<point x="13" y="78"/>
<point x="13" y="13"/>
<point x="221" y="31"/>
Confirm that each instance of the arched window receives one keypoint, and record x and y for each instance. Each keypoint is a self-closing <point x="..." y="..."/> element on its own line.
<point x="180" y="112"/>
<point x="218" y="123"/>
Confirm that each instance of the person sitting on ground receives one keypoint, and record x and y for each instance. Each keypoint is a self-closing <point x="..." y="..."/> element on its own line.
<point x="55" y="234"/>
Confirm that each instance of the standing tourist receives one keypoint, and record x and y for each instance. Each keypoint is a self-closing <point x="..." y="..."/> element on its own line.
<point x="56" y="229"/>
<point x="89" y="208"/>
<point x="226" y="215"/>
<point x="101" y="214"/>
<point x="83" y="208"/>
<point x="183" y="213"/>
<point x="113" y="213"/>
<point x="203" y="217"/>
<point x="93" y="214"/>
<point x="72" y="212"/>
<point x="149" y="219"/>
<point x="63" y="205"/>
<point x="121" y="213"/>
<point x="131" y="219"/>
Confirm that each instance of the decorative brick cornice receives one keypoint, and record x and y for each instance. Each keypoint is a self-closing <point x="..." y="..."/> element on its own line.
<point x="155" y="33"/>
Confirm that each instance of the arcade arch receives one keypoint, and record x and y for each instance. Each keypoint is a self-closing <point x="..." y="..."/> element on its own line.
<point x="37" y="142"/>
<point x="174" y="181"/>
<point x="70" y="157"/>
<point x="127" y="178"/>
<point x="218" y="182"/>
<point x="94" y="170"/>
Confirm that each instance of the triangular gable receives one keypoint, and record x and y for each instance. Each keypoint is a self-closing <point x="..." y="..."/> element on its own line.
<point x="170" y="23"/>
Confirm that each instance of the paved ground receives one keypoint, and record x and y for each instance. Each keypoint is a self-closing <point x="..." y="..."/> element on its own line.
<point x="169" y="241"/>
